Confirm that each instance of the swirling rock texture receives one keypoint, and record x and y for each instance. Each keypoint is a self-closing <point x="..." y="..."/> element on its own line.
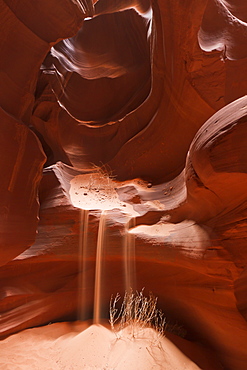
<point x="154" y="92"/>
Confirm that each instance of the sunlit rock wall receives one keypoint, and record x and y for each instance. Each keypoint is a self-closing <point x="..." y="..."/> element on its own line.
<point x="147" y="90"/>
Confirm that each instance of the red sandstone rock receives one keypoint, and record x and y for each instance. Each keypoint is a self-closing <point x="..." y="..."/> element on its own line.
<point x="224" y="28"/>
<point x="133" y="90"/>
<point x="21" y="162"/>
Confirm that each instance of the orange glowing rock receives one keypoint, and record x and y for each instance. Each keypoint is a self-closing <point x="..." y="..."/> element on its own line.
<point x="138" y="109"/>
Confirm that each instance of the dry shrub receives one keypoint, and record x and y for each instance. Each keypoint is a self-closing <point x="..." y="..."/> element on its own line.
<point x="137" y="312"/>
<point x="102" y="178"/>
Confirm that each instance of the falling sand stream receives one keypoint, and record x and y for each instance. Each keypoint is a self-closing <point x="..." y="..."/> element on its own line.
<point x="83" y="257"/>
<point x="98" y="268"/>
<point x="97" y="192"/>
<point x="128" y="257"/>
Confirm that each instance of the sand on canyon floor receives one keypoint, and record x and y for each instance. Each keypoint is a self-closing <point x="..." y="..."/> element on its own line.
<point x="79" y="346"/>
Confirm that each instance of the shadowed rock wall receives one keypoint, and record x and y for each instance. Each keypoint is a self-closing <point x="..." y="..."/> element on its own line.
<point x="154" y="93"/>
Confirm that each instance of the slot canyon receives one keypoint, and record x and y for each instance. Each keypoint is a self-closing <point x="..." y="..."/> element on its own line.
<point x="123" y="159"/>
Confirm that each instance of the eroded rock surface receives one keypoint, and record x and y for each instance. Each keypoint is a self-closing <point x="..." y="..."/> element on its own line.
<point x="136" y="109"/>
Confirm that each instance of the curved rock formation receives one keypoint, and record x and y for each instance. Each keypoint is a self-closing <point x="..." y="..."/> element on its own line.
<point x="21" y="162"/>
<point x="224" y="28"/>
<point x="137" y="110"/>
<point x="103" y="72"/>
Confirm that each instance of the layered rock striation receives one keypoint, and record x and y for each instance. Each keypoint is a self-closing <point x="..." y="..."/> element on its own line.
<point x="150" y="95"/>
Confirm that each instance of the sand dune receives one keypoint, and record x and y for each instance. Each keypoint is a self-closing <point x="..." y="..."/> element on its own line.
<point x="75" y="346"/>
